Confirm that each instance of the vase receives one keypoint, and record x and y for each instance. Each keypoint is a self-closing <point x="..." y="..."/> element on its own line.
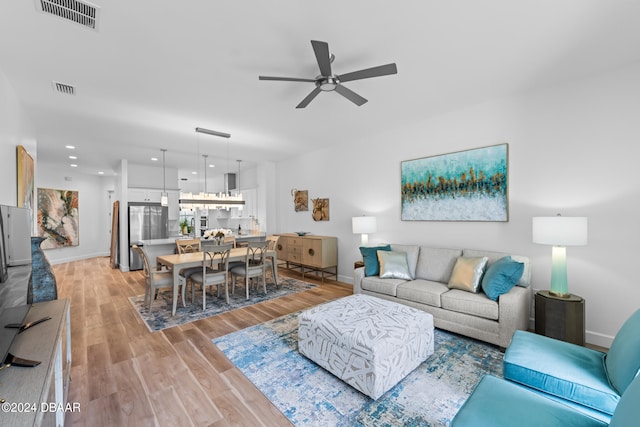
<point x="43" y="282"/>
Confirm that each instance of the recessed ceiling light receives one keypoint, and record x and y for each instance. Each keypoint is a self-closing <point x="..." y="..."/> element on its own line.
<point x="194" y="173"/>
<point x="73" y="165"/>
<point x="73" y="157"/>
<point x="70" y="147"/>
<point x="100" y="173"/>
<point x="154" y="159"/>
<point x="212" y="166"/>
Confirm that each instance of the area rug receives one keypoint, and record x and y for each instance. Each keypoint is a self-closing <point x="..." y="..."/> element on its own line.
<point x="308" y="395"/>
<point x="160" y="316"/>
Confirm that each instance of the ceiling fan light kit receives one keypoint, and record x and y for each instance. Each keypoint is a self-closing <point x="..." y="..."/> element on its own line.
<point x="327" y="81"/>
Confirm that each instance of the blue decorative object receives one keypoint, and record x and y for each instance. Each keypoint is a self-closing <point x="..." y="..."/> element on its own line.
<point x="370" y="258"/>
<point x="501" y="276"/>
<point x="43" y="282"/>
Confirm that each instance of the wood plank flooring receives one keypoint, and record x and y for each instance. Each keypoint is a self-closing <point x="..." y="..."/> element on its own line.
<point x="122" y="374"/>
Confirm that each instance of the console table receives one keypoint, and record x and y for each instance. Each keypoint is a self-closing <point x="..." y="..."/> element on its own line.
<point x="44" y="387"/>
<point x="309" y="253"/>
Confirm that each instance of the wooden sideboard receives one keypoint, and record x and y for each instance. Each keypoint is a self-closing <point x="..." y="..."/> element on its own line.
<point x="37" y="396"/>
<point x="318" y="254"/>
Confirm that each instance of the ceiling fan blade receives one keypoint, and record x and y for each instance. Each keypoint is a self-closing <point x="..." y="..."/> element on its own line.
<point x="321" y="49"/>
<point x="286" y="79"/>
<point x="382" y="70"/>
<point x="350" y="95"/>
<point x="309" y="98"/>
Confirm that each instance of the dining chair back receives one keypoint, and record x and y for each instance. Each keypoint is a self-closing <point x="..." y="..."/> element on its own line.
<point x="273" y="246"/>
<point x="214" y="270"/>
<point x="230" y="239"/>
<point x="187" y="245"/>
<point x="154" y="279"/>
<point x="253" y="267"/>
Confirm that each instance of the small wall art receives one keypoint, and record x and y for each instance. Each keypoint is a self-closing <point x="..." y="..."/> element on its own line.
<point x="58" y="218"/>
<point x="320" y="209"/>
<point x="300" y="200"/>
<point x="469" y="185"/>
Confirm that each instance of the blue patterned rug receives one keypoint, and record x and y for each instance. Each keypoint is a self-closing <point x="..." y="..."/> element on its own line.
<point x="160" y="316"/>
<point x="308" y="395"/>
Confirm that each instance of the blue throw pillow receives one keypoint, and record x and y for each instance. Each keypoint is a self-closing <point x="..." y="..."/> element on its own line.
<point x="370" y="258"/>
<point x="501" y="276"/>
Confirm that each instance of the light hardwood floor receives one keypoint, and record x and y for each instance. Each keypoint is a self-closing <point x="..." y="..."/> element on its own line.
<point x="122" y="374"/>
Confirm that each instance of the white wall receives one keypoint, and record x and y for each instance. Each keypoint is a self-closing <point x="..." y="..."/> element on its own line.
<point x="572" y="149"/>
<point x="95" y="198"/>
<point x="15" y="129"/>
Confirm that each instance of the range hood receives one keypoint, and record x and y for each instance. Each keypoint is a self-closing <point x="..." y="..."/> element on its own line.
<point x="230" y="182"/>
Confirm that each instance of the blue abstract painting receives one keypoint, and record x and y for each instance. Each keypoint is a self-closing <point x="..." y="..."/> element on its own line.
<point x="469" y="185"/>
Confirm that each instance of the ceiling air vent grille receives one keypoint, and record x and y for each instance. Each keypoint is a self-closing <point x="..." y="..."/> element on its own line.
<point x="64" y="88"/>
<point x="80" y="12"/>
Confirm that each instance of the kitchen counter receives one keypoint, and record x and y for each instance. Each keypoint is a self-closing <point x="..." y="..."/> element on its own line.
<point x="172" y="240"/>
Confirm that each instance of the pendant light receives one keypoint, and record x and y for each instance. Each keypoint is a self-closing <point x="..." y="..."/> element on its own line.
<point x="206" y="200"/>
<point x="164" y="197"/>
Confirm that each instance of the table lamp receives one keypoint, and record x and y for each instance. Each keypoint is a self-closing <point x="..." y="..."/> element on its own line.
<point x="363" y="225"/>
<point x="559" y="231"/>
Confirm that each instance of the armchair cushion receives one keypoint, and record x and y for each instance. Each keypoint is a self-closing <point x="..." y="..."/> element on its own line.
<point x="623" y="359"/>
<point x="496" y="402"/>
<point x="562" y="369"/>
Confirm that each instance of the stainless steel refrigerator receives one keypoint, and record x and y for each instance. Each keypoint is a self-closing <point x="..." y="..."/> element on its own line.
<point x="146" y="221"/>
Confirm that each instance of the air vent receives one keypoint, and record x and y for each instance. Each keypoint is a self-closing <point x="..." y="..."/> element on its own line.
<point x="80" y="12"/>
<point x="64" y="88"/>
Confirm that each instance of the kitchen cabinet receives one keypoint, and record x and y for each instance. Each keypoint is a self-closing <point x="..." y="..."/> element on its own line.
<point x="318" y="254"/>
<point x="144" y="195"/>
<point x="174" y="205"/>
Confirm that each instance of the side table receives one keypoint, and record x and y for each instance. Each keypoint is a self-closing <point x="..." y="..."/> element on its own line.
<point x="560" y="318"/>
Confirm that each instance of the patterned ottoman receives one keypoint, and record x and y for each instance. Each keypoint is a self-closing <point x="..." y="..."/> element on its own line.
<point x="367" y="342"/>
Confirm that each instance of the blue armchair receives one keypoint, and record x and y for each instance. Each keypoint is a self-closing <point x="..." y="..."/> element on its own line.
<point x="588" y="380"/>
<point x="500" y="403"/>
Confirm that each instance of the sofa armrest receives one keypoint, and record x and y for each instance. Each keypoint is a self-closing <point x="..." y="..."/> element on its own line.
<point x="358" y="275"/>
<point x="514" y="312"/>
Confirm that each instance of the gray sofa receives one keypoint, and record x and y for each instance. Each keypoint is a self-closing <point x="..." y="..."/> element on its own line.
<point x="467" y="313"/>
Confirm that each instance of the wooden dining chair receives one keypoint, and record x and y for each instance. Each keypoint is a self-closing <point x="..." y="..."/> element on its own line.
<point x="273" y="245"/>
<point x="214" y="270"/>
<point x="154" y="279"/>
<point x="187" y="246"/>
<point x="230" y="239"/>
<point x="253" y="266"/>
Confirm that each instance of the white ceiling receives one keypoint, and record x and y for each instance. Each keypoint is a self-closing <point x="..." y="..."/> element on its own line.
<point x="156" y="69"/>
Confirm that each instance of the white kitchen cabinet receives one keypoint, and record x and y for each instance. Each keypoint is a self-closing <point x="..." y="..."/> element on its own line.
<point x="174" y="205"/>
<point x="147" y="195"/>
<point x="250" y="209"/>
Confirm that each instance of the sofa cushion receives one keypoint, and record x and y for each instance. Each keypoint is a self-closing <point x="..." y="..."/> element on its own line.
<point x="562" y="369"/>
<point x="469" y="303"/>
<point x="381" y="286"/>
<point x="524" y="281"/>
<point x="422" y="291"/>
<point x="412" y="252"/>
<point x="501" y="276"/>
<point x="370" y="258"/>
<point x="467" y="273"/>
<point x="393" y="265"/>
<point x="436" y="264"/>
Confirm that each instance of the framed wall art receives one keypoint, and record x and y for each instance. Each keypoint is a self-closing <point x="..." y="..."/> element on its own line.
<point x="58" y="219"/>
<point x="25" y="170"/>
<point x="300" y="200"/>
<point x="320" y="209"/>
<point x="470" y="185"/>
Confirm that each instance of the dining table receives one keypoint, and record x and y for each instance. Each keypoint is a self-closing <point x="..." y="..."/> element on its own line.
<point x="177" y="262"/>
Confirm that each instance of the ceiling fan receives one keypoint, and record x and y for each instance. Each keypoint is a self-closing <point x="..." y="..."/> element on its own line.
<point x="327" y="81"/>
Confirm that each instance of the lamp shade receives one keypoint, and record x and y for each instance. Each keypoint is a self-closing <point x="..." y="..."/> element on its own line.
<point x="560" y="230"/>
<point x="363" y="224"/>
